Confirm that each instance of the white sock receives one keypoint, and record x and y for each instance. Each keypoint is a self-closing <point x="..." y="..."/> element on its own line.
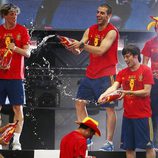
<point x="16" y="138"/>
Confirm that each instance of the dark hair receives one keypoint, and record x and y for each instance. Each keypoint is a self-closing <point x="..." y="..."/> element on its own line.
<point x="83" y="126"/>
<point x="109" y="11"/>
<point x="134" y="50"/>
<point x="6" y="8"/>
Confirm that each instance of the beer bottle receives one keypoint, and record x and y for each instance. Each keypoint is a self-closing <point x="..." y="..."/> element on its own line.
<point x="8" y="133"/>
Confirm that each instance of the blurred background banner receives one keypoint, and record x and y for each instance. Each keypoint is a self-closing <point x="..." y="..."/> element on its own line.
<point x="80" y="14"/>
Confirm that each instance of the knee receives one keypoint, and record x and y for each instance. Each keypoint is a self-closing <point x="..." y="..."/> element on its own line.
<point x="18" y="110"/>
<point x="80" y="104"/>
<point x="110" y="110"/>
<point x="111" y="113"/>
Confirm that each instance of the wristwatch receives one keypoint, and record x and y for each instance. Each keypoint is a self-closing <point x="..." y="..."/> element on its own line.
<point x="81" y="45"/>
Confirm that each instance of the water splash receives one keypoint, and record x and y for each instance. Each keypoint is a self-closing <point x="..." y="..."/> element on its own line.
<point x="44" y="40"/>
<point x="65" y="92"/>
<point x="87" y="101"/>
<point x="34" y="124"/>
<point x="46" y="63"/>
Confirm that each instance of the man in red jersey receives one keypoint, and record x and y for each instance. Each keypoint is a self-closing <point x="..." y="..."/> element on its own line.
<point x="150" y="52"/>
<point x="14" y="46"/>
<point x="136" y="81"/>
<point x="74" y="144"/>
<point x="101" y="42"/>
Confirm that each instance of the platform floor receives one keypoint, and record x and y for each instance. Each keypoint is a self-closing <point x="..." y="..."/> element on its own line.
<point x="55" y="154"/>
<point x="119" y="154"/>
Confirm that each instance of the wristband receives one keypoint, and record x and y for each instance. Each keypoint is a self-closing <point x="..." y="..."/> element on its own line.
<point x="81" y="45"/>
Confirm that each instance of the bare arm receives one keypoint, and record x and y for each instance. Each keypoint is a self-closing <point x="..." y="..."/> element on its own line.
<point x="25" y="51"/>
<point x="114" y="87"/>
<point x="98" y="50"/>
<point x="76" y="44"/>
<point x="145" y="60"/>
<point x="104" y="46"/>
<point x="142" y="93"/>
<point x="85" y="37"/>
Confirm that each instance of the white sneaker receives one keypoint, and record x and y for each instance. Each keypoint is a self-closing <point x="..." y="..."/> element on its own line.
<point x="107" y="146"/>
<point x="16" y="146"/>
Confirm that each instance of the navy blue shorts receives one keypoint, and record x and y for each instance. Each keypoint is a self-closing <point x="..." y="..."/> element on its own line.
<point x="136" y="133"/>
<point x="14" y="90"/>
<point x="91" y="89"/>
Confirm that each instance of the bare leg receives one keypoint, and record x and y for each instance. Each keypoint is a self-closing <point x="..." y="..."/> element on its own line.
<point x="111" y="123"/>
<point x="150" y="153"/>
<point x="130" y="154"/>
<point x="18" y="115"/>
<point x="81" y="110"/>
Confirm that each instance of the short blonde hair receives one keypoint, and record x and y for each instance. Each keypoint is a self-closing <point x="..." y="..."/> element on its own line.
<point x="6" y="8"/>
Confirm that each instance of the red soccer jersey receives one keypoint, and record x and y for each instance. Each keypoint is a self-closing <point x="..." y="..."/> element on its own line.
<point x="20" y="36"/>
<point x="151" y="50"/>
<point x="136" y="106"/>
<point x="73" y="145"/>
<point x="102" y="65"/>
